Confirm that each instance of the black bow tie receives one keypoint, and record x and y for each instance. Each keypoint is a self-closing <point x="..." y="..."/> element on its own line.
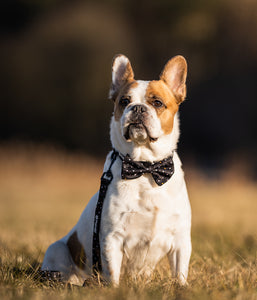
<point x="160" y="170"/>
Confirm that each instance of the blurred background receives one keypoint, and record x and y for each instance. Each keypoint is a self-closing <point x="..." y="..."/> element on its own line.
<point x="55" y="58"/>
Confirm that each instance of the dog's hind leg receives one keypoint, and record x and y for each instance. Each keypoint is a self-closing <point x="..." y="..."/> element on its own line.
<point x="58" y="258"/>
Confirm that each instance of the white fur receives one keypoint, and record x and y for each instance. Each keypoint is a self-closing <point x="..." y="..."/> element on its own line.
<point x="141" y="222"/>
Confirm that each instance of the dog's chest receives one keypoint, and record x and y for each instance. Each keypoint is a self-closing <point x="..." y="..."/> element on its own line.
<point x="141" y="216"/>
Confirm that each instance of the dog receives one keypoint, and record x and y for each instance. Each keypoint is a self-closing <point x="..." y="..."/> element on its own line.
<point x="145" y="214"/>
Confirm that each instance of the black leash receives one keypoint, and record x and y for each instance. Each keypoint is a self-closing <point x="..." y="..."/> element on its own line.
<point x="106" y="179"/>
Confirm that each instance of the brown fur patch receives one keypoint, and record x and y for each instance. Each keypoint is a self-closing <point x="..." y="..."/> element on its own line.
<point x="77" y="251"/>
<point x="158" y="89"/>
<point x="124" y="91"/>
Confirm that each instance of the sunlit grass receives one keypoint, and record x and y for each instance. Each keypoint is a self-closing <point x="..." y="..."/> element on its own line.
<point x="43" y="192"/>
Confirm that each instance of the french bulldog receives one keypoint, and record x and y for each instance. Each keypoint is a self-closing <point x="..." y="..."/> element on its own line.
<point x="145" y="212"/>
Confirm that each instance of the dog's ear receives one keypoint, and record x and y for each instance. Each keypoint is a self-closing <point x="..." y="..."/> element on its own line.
<point x="122" y="73"/>
<point x="174" y="75"/>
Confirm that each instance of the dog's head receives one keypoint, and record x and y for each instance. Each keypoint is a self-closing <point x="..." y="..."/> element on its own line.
<point x="144" y="111"/>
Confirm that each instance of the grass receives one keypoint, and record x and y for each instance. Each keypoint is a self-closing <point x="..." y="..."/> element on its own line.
<point x="43" y="192"/>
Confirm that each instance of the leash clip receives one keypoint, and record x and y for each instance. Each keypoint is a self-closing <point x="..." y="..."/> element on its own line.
<point x="107" y="176"/>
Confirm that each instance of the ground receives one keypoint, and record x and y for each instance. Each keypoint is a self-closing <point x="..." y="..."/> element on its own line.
<point x="43" y="192"/>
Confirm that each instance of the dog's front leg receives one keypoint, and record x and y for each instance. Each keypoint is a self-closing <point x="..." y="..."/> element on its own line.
<point x="179" y="260"/>
<point x="112" y="259"/>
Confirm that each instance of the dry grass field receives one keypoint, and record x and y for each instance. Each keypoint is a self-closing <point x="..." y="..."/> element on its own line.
<point x="43" y="192"/>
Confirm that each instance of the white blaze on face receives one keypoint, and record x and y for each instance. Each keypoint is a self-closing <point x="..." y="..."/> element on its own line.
<point x="138" y="92"/>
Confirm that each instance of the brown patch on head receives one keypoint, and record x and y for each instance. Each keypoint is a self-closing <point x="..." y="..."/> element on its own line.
<point x="158" y="90"/>
<point x="125" y="94"/>
<point x="77" y="251"/>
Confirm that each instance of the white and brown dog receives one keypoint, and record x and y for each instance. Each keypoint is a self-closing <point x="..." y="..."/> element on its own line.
<point x="147" y="215"/>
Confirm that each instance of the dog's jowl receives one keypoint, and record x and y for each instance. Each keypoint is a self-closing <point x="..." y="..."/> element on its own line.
<point x="142" y="211"/>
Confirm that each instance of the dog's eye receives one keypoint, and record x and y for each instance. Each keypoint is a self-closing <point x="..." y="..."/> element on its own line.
<point x="124" y="101"/>
<point x="157" y="103"/>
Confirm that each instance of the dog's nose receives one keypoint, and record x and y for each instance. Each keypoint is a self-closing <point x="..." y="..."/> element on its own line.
<point x="139" y="108"/>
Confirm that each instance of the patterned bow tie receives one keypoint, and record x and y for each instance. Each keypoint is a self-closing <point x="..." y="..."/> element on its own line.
<point x="160" y="170"/>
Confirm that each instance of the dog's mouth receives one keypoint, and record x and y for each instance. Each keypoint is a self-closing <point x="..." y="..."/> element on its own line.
<point x="138" y="131"/>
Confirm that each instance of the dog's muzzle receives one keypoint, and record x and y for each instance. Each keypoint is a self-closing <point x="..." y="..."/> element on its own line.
<point x="137" y="128"/>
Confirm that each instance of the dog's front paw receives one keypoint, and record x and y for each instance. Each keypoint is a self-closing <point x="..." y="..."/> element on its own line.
<point x="182" y="280"/>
